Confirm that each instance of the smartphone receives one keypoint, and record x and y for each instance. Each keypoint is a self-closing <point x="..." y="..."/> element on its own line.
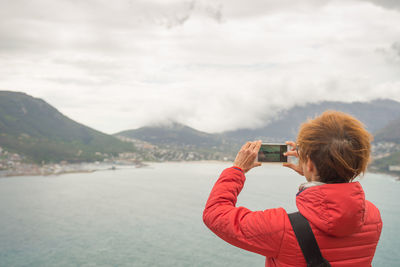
<point x="271" y="152"/>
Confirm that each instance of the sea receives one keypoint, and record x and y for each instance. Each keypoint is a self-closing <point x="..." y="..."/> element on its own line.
<point x="152" y="216"/>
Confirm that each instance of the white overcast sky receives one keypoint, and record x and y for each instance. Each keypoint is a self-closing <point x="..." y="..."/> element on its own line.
<point x="212" y="64"/>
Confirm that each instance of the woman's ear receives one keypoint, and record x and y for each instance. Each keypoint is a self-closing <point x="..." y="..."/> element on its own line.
<point x="311" y="168"/>
<point x="310" y="165"/>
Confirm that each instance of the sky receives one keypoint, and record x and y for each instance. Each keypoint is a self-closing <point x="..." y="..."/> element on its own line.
<point x="215" y="65"/>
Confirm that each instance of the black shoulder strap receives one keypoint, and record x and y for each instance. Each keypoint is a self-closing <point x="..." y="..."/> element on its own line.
<point x="307" y="241"/>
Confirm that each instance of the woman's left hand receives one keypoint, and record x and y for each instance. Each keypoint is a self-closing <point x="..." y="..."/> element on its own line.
<point x="246" y="157"/>
<point x="293" y="152"/>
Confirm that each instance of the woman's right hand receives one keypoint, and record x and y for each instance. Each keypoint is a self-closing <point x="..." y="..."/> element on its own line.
<point x="246" y="157"/>
<point x="293" y="152"/>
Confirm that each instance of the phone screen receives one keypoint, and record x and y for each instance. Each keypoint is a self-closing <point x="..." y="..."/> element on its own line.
<point x="272" y="153"/>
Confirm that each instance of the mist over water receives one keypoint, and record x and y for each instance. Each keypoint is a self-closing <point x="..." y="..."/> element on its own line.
<point x="151" y="216"/>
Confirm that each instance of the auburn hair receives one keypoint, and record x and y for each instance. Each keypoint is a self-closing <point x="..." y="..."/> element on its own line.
<point x="338" y="145"/>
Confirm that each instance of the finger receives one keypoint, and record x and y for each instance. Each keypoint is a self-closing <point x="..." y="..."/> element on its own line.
<point x="247" y="145"/>
<point x="258" y="145"/>
<point x="293" y="167"/>
<point x="252" y="146"/>
<point x="291" y="153"/>
<point x="290" y="165"/>
<point x="244" y="146"/>
<point x="257" y="164"/>
<point x="292" y="144"/>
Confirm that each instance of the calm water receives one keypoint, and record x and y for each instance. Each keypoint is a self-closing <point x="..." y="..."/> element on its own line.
<point x="151" y="216"/>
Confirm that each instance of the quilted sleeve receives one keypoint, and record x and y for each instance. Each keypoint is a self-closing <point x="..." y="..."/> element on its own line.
<point x="256" y="231"/>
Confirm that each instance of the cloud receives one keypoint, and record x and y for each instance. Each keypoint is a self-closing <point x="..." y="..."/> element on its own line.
<point x="391" y="53"/>
<point x="214" y="65"/>
<point x="396" y="48"/>
<point x="389" y="4"/>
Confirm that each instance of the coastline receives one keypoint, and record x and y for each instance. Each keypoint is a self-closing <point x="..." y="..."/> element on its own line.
<point x="88" y="167"/>
<point x="59" y="169"/>
<point x="395" y="176"/>
<point x="23" y="170"/>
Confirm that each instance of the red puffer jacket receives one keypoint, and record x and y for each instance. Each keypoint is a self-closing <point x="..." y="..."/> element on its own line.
<point x="346" y="226"/>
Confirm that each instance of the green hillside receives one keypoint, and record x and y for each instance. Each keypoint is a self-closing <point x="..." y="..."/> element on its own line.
<point x="391" y="160"/>
<point x="31" y="127"/>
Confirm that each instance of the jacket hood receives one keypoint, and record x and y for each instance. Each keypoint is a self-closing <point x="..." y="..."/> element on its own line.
<point x="337" y="209"/>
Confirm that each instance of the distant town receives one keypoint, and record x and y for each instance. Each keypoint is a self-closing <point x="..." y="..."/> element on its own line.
<point x="14" y="164"/>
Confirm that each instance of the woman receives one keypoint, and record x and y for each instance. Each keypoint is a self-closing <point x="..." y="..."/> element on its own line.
<point x="333" y="149"/>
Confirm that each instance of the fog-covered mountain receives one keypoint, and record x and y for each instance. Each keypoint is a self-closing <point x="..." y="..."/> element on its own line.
<point x="375" y="115"/>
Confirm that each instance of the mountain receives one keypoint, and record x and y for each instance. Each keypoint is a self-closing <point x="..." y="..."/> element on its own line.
<point x="174" y="134"/>
<point x="375" y="115"/>
<point x="33" y="128"/>
<point x="389" y="133"/>
<point x="176" y="141"/>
